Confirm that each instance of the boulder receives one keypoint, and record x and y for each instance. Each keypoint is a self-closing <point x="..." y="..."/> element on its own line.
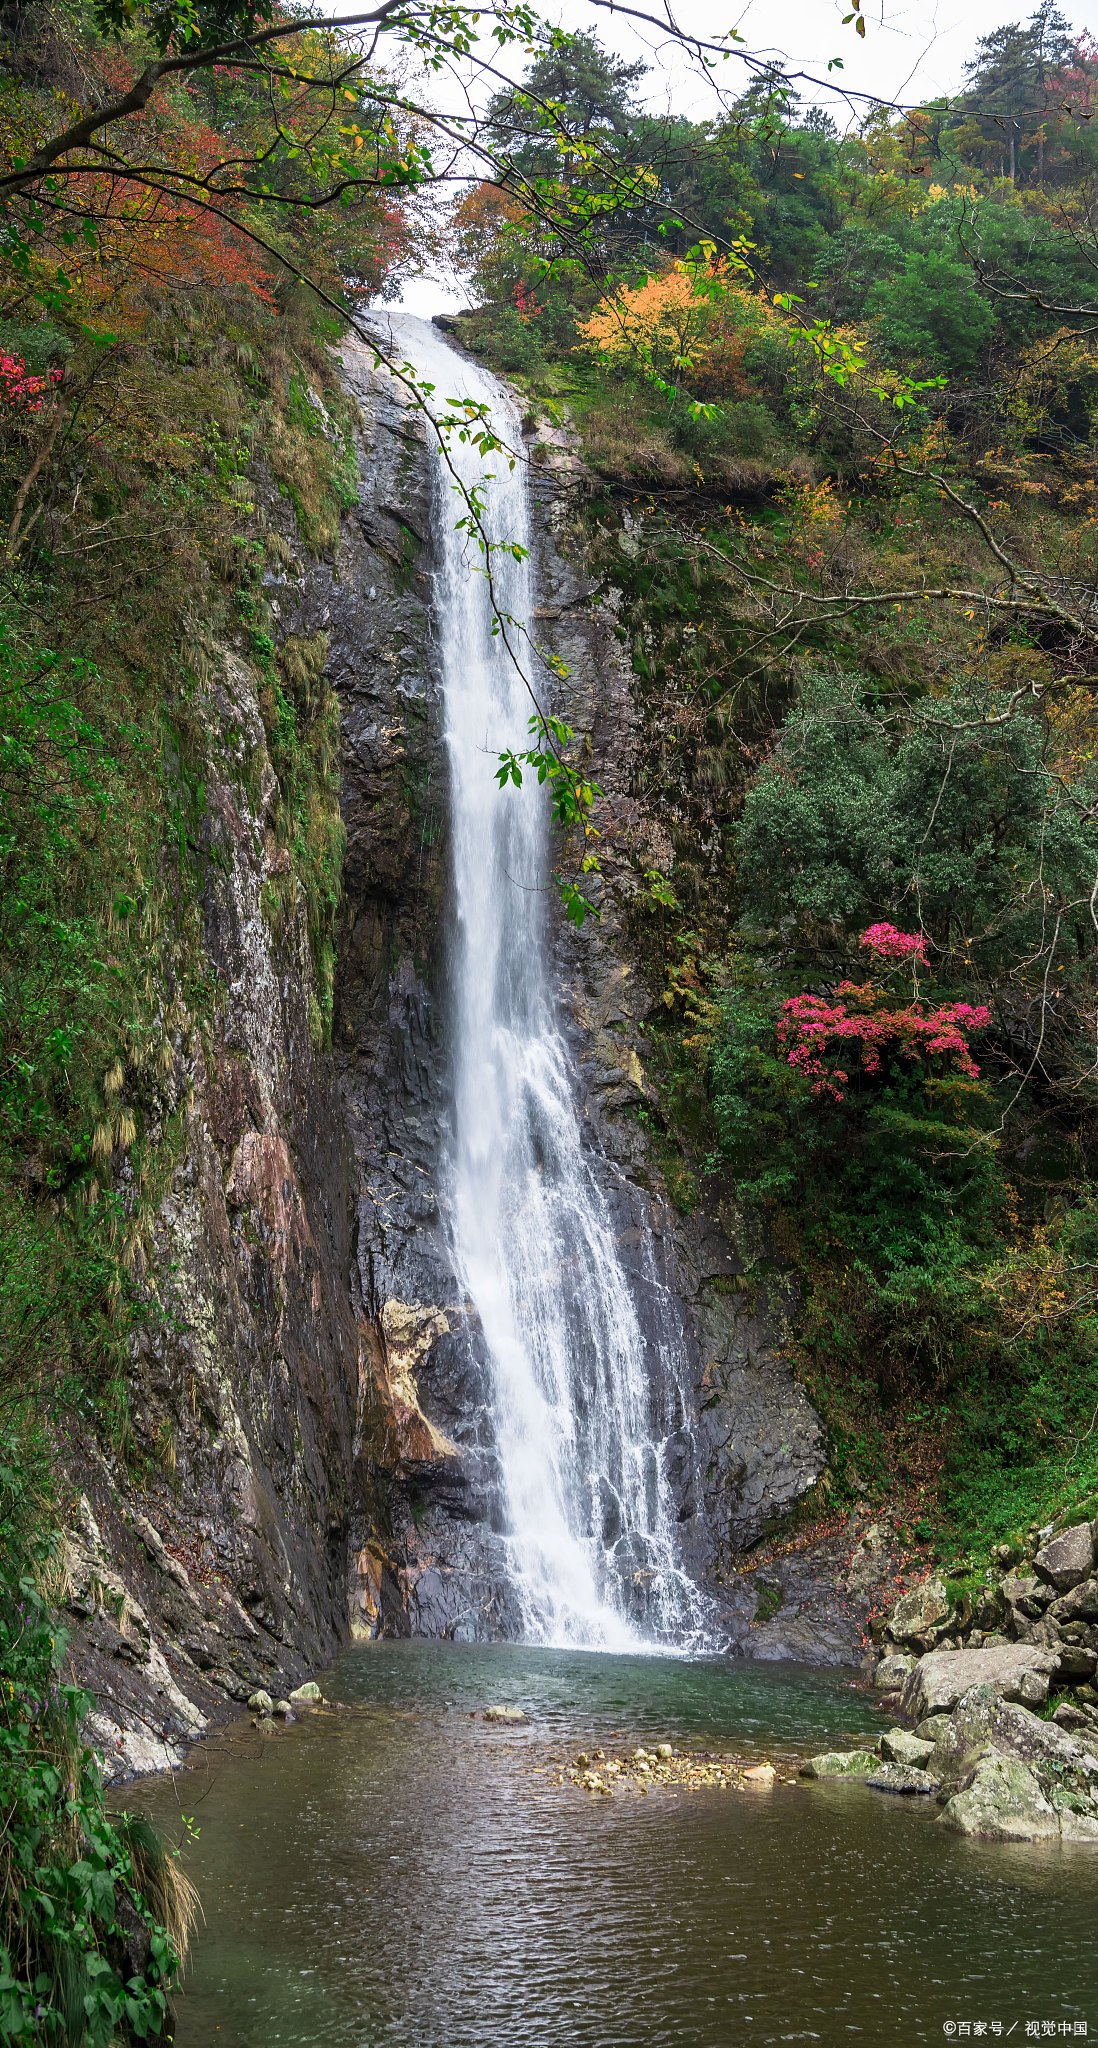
<point x="1069" y="1716"/>
<point x="1003" y="1803"/>
<point x="261" y="1703"/>
<point x="284" y="1710"/>
<point x="307" y="1695"/>
<point x="892" y="1672"/>
<point x="902" y="1778"/>
<point x="968" y="1732"/>
<point x="1081" y="1604"/>
<point x="983" y="1721"/>
<point x="1042" y="1743"/>
<point x="513" y="1716"/>
<point x="1069" y="1558"/>
<point x="1078" y="1821"/>
<point x="919" y="1614"/>
<point x="933" y="1728"/>
<point x="1076" y="1662"/>
<point x="841" y="1763"/>
<point x="899" y="1746"/>
<point x="943" y="1677"/>
<point x="988" y="1610"/>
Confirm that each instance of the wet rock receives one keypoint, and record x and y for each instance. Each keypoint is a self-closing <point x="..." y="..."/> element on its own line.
<point x="850" y="1763"/>
<point x="942" y="1677"/>
<point x="899" y="1746"/>
<point x="261" y="1702"/>
<point x="893" y="1672"/>
<point x="905" y="1779"/>
<point x="1068" y="1558"/>
<point x="307" y="1695"/>
<point x="920" y="1614"/>
<point x="760" y="1774"/>
<point x="512" y="1716"/>
<point x="1003" y="1802"/>
<point x="283" y="1711"/>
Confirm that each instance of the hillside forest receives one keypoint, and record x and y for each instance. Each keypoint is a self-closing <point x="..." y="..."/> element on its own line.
<point x="836" y="394"/>
<point x="833" y="375"/>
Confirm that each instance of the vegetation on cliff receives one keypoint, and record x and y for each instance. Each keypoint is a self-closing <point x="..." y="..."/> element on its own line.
<point x="837" y="396"/>
<point x="172" y="424"/>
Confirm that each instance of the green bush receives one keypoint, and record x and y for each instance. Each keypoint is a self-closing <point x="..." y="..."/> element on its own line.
<point x="93" y="1912"/>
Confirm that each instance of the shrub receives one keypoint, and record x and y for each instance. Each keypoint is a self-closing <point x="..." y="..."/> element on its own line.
<point x="94" y="1913"/>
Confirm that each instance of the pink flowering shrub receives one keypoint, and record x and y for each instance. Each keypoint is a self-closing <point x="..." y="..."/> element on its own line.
<point x="824" y="1036"/>
<point x="20" y="389"/>
<point x="886" y="943"/>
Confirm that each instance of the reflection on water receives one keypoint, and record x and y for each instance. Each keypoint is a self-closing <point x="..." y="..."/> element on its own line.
<point x="404" y="1873"/>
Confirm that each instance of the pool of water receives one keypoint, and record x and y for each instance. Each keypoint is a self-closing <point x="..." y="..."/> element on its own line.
<point x="403" y="1872"/>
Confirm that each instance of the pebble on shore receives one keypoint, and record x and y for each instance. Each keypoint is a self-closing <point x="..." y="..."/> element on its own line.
<point x="597" y="1773"/>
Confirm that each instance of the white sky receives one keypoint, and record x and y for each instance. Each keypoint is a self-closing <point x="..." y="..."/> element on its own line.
<point x="912" y="50"/>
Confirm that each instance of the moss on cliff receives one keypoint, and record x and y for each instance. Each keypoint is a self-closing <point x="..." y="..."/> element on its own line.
<point x="206" y="438"/>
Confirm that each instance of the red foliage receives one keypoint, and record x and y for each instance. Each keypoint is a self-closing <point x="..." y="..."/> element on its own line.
<point x="817" y="1032"/>
<point x="20" y="389"/>
<point x="525" y="303"/>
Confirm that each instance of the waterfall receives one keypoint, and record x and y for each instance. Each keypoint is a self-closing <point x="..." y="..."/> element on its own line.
<point x="589" y="1517"/>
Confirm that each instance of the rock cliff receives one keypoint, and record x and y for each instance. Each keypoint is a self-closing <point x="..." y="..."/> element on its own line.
<point x="427" y="1552"/>
<point x="315" y="1450"/>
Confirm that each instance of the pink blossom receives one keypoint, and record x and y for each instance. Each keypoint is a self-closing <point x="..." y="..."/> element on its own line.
<point x="890" y="944"/>
<point x="817" y="1032"/>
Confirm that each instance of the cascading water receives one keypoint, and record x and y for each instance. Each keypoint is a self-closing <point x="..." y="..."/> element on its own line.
<point x="589" y="1515"/>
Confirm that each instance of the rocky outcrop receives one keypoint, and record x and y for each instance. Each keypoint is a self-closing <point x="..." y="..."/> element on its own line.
<point x="997" y="1770"/>
<point x="990" y="1654"/>
<point x="1011" y="1671"/>
<point x="1028" y="1629"/>
<point x="207" y="1547"/>
<point x="310" y="1445"/>
<point x="428" y="1555"/>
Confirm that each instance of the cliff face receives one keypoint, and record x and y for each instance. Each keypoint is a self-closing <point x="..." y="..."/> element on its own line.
<point x="427" y="1556"/>
<point x="207" y="1555"/>
<point x="314" y="1442"/>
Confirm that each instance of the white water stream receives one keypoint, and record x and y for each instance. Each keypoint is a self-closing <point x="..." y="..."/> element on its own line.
<point x="582" y="1442"/>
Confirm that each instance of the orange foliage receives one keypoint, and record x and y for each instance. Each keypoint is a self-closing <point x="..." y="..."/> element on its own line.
<point x="169" y="220"/>
<point x="163" y="239"/>
<point x="676" y="326"/>
<point x="485" y="221"/>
